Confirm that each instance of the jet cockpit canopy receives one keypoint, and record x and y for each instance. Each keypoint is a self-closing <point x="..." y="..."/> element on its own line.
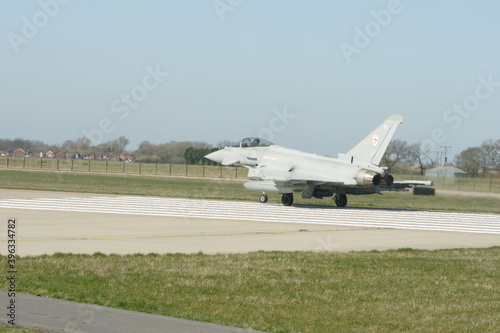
<point x="252" y="142"/>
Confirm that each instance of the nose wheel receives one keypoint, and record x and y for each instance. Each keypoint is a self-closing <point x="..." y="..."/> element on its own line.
<point x="340" y="200"/>
<point x="263" y="198"/>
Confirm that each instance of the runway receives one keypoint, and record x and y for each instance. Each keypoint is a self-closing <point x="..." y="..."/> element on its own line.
<point x="84" y="223"/>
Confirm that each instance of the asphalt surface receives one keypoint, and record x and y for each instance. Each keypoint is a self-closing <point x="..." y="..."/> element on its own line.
<point x="55" y="315"/>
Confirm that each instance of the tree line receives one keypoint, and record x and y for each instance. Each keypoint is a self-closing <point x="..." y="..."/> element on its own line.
<point x="82" y="145"/>
<point x="401" y="157"/>
<point x="191" y="152"/>
<point x="479" y="160"/>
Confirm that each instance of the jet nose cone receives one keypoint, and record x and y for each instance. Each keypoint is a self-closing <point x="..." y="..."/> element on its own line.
<point x="216" y="156"/>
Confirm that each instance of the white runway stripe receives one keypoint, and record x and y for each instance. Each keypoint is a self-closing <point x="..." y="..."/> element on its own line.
<point x="252" y="211"/>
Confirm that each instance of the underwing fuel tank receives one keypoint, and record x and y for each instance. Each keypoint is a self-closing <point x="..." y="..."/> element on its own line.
<point x="270" y="186"/>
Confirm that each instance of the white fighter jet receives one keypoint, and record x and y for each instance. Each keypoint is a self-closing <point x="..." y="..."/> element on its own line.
<point x="272" y="168"/>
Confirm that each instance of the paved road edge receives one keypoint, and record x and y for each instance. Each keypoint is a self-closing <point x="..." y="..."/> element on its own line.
<point x="56" y="315"/>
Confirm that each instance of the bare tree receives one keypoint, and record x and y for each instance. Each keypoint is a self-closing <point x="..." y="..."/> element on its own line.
<point x="397" y="151"/>
<point x="117" y="146"/>
<point x="146" y="148"/>
<point x="495" y="156"/>
<point x="83" y="144"/>
<point x="470" y="160"/>
<point x="122" y="142"/>
<point x="68" y="145"/>
<point x="491" y="153"/>
<point x="417" y="156"/>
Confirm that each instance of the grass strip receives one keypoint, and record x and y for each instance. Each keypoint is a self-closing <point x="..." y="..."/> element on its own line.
<point x="401" y="290"/>
<point x="11" y="329"/>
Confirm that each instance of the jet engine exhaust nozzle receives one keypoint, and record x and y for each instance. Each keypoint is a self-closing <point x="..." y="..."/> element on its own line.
<point x="368" y="178"/>
<point x="387" y="180"/>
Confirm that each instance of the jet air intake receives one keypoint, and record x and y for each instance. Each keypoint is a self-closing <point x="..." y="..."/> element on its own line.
<point x="368" y="178"/>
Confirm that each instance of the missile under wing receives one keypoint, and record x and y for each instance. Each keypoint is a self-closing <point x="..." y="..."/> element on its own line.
<point x="272" y="168"/>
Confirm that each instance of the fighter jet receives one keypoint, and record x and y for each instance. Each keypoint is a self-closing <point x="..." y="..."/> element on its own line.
<point x="272" y="168"/>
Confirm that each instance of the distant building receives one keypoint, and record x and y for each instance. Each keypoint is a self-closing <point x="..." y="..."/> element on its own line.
<point x="127" y="157"/>
<point x="63" y="154"/>
<point x="446" y="171"/>
<point x="49" y="154"/>
<point x="34" y="153"/>
<point x="111" y="157"/>
<point x="88" y="156"/>
<point x="19" y="153"/>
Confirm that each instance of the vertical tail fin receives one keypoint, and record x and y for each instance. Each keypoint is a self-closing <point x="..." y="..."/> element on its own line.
<point x="372" y="148"/>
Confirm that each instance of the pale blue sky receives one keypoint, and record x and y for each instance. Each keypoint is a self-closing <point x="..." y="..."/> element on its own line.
<point x="228" y="78"/>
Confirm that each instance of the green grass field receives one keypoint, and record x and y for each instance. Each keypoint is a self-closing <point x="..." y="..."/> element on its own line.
<point x="223" y="189"/>
<point x="17" y="330"/>
<point x="391" y="291"/>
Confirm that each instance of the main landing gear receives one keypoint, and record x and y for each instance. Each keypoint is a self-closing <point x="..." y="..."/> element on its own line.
<point x="340" y="200"/>
<point x="287" y="199"/>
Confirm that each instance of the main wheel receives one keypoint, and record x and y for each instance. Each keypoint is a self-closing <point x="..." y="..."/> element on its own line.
<point x="287" y="199"/>
<point x="341" y="200"/>
<point x="263" y="198"/>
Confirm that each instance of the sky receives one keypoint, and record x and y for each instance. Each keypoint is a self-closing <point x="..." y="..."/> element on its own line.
<point x="317" y="76"/>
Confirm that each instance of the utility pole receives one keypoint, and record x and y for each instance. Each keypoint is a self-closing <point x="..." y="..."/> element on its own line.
<point x="438" y="159"/>
<point x="445" y="151"/>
